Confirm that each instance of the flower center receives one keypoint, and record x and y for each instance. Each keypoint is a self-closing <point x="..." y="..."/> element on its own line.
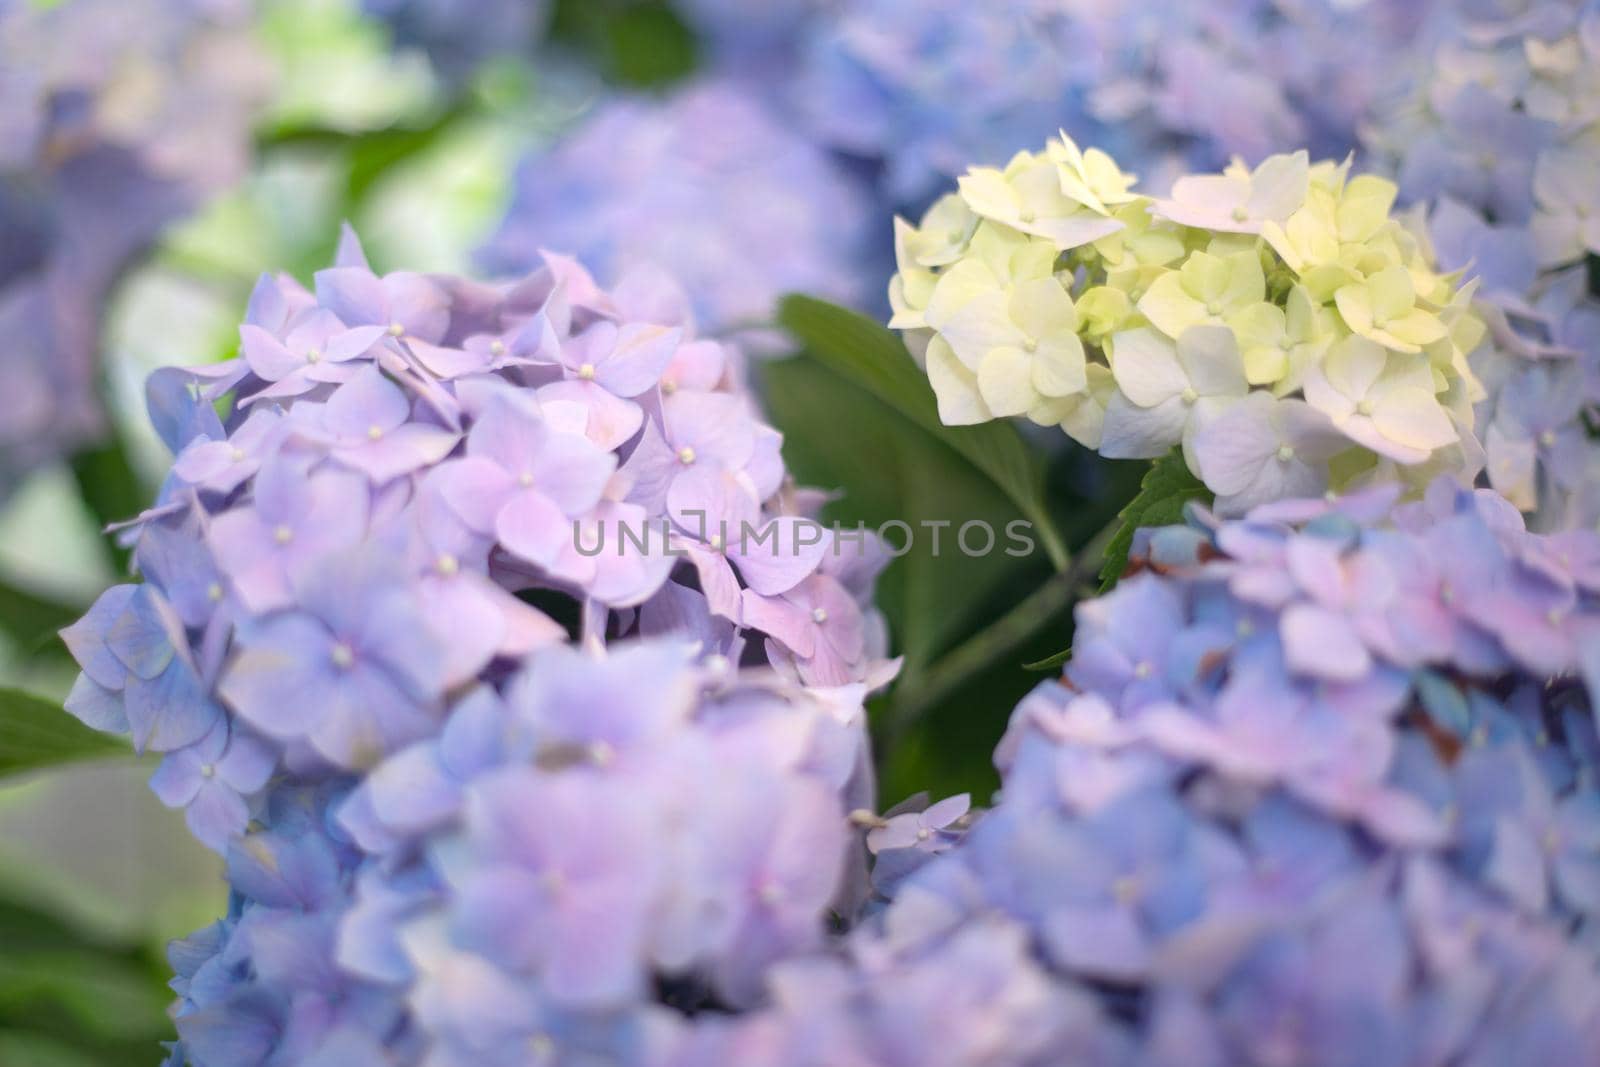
<point x="313" y="355"/>
<point x="1027" y="215"/>
<point x="668" y="386"/>
<point x="819" y="615"/>
<point x="1285" y="453"/>
<point x="686" y="455"/>
<point x="208" y="770"/>
<point x="342" y="655"/>
<point x="283" y="535"/>
<point x="236" y="454"/>
<point x="1190" y="396"/>
<point x="374" y="432"/>
<point x="525" y="480"/>
<point x="497" y="348"/>
<point x="1548" y="439"/>
<point x="1364" y="407"/>
<point x="586" y="372"/>
<point x="396" y="329"/>
<point x="1240" y="214"/>
<point x="446" y="564"/>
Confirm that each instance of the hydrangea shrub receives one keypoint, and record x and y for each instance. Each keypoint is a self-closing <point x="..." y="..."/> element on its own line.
<point x="1278" y="323"/>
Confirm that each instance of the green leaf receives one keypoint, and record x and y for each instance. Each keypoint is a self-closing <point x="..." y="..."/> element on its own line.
<point x="886" y="468"/>
<point x="1167" y="486"/>
<point x="111" y="488"/>
<point x="873" y="358"/>
<point x="31" y="620"/>
<point x="109" y="996"/>
<point x="36" y="733"/>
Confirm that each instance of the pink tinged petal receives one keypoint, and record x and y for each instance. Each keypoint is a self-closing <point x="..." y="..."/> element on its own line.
<point x="527" y="628"/>
<point x="1075" y="230"/>
<point x="607" y="420"/>
<point x="475" y="489"/>
<point x="780" y="554"/>
<point x="474" y="623"/>
<point x="367" y="402"/>
<point x="1323" y="644"/>
<point x="632" y="576"/>
<point x="718" y="583"/>
<point x="712" y="504"/>
<point x="782" y="620"/>
<point x="533" y="527"/>
<point x="1231" y="449"/>
<point x="716" y="425"/>
<point x="947" y="811"/>
<point x="639" y="357"/>
<point x="900" y="832"/>
<point x="348" y="344"/>
<point x="354" y="294"/>
<point x="246" y="551"/>
<point x="269" y="360"/>
<point x="267" y="307"/>
<point x="572" y="472"/>
<point x="450" y="362"/>
<point x="417" y="304"/>
<point x="399" y="451"/>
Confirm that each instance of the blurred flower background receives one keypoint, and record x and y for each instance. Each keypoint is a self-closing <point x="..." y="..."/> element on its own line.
<point x="157" y="155"/>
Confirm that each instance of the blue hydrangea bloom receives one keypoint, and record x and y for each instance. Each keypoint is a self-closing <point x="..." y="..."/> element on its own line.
<point x="1261" y="821"/>
<point x="1495" y="136"/>
<point x="709" y="185"/>
<point x="927" y="89"/>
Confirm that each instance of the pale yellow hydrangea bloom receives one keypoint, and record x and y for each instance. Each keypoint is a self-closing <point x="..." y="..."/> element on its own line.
<point x="1050" y="289"/>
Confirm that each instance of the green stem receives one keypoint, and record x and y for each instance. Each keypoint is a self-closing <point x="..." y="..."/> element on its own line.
<point x="1000" y="638"/>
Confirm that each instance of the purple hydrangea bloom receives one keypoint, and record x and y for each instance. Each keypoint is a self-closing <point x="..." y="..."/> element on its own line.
<point x="346" y="647"/>
<point x="709" y="185"/>
<point x="115" y="119"/>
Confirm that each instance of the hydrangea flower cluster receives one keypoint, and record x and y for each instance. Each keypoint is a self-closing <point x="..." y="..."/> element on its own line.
<point x="1501" y="138"/>
<point x="459" y="35"/>
<point x="116" y="117"/>
<point x="580" y="857"/>
<point x="927" y="88"/>
<point x="1319" y="786"/>
<point x="1277" y="323"/>
<point x="707" y="184"/>
<point x="371" y="648"/>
